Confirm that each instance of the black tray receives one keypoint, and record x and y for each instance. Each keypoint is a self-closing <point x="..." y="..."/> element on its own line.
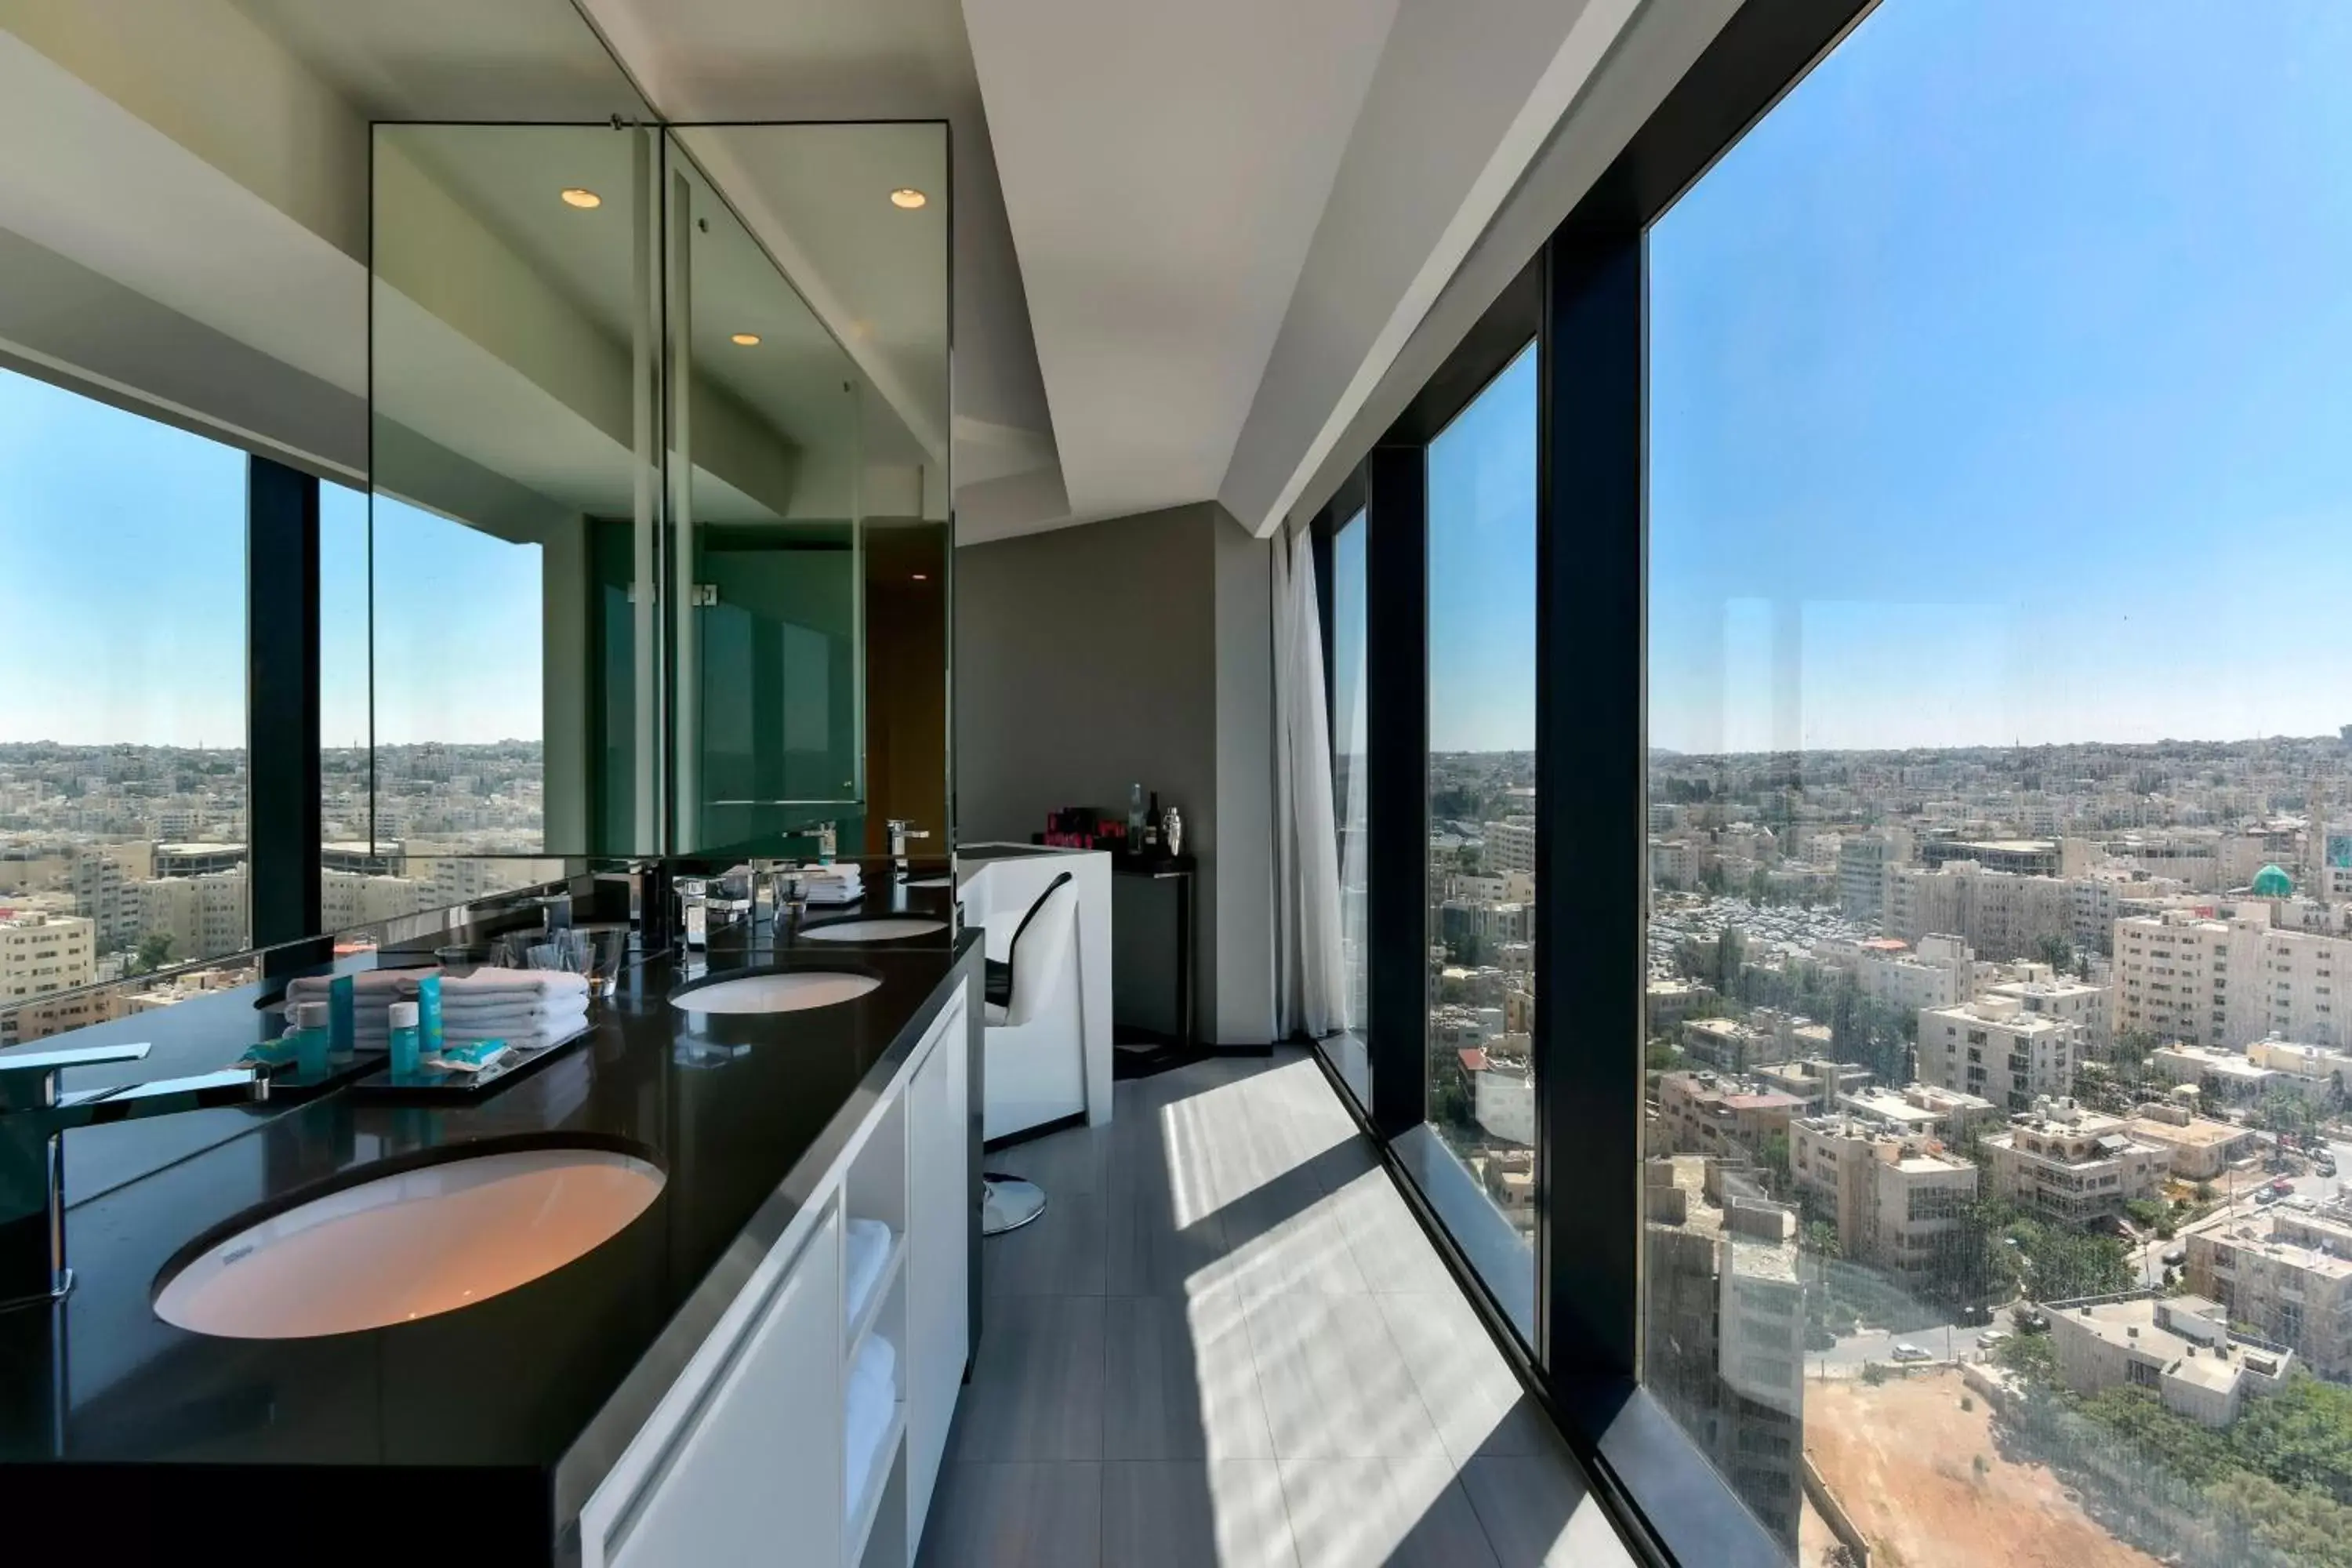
<point x="434" y="1084"/>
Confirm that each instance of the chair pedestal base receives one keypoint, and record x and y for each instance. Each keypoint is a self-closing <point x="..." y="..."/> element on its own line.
<point x="1008" y="1203"/>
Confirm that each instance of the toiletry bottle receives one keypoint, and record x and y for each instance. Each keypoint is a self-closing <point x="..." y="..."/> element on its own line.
<point x="343" y="1013"/>
<point x="1135" y="819"/>
<point x="312" y="1037"/>
<point x="428" y="1015"/>
<point x="406" y="1047"/>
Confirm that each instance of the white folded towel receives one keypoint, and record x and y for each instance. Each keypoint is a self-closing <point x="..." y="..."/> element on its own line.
<point x="520" y="1008"/>
<point x="508" y="985"/>
<point x="370" y="987"/>
<point x="869" y="1404"/>
<point x="867" y="1243"/>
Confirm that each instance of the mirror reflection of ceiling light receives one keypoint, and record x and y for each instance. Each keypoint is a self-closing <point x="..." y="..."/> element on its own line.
<point x="909" y="197"/>
<point x="745" y="340"/>
<point x="581" y="197"/>
<point x="922" y="576"/>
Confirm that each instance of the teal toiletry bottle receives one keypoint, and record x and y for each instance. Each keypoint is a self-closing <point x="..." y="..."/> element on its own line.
<point x="428" y="1014"/>
<point x="313" y="1038"/>
<point x="343" y="1003"/>
<point x="406" y="1045"/>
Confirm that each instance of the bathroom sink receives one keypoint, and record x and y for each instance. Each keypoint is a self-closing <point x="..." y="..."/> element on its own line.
<point x="885" y="928"/>
<point x="412" y="1245"/>
<point x="788" y="993"/>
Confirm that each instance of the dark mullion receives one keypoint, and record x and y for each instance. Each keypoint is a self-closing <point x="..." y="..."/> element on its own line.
<point x="1589" y="745"/>
<point x="1396" y="685"/>
<point x="281" y="801"/>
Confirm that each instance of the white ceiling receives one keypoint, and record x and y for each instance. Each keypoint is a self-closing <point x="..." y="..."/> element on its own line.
<point x="1188" y="241"/>
<point x="1164" y="168"/>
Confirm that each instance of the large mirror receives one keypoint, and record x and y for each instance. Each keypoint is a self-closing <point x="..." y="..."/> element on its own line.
<point x="655" y="552"/>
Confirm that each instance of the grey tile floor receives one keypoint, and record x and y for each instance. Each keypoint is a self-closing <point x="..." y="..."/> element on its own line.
<point x="1227" y="1343"/>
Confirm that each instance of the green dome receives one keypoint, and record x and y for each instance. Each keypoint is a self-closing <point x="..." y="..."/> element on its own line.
<point x="2269" y="882"/>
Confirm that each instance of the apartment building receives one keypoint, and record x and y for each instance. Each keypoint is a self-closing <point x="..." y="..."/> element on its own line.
<point x="2075" y="1002"/>
<point x="2304" y="990"/>
<point x="2197" y="1147"/>
<point x="1710" y="1113"/>
<point x="1864" y="861"/>
<point x="1899" y="1198"/>
<point x="1668" y="1003"/>
<point x="1939" y="972"/>
<point x="42" y="953"/>
<point x="2174" y="973"/>
<point x="1511" y="845"/>
<point x="2315" y="1070"/>
<point x="2180" y="1346"/>
<point x="1815" y="1081"/>
<point x="2287" y="1276"/>
<point x="1924" y="1110"/>
<point x="1725" y="1349"/>
<point x="204" y="916"/>
<point x="1995" y="1048"/>
<point x="2070" y="1163"/>
<point x="1999" y="914"/>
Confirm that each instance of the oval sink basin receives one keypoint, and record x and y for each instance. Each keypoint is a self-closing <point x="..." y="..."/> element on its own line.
<point x="887" y="928"/>
<point x="409" y="1246"/>
<point x="775" y="993"/>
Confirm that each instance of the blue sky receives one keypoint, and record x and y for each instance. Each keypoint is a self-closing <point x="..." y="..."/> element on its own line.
<point x="1482" y="560"/>
<point x="2002" y="387"/>
<point x="122" y="594"/>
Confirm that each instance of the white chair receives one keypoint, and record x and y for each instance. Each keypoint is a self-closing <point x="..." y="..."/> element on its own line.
<point x="1034" y="1068"/>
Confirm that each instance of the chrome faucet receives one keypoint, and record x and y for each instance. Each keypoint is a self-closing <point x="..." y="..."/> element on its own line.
<point x="35" y="1116"/>
<point x="901" y="830"/>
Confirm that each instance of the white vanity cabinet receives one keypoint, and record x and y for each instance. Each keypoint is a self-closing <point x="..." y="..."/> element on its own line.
<point x="758" y="1464"/>
<point x="747" y="1459"/>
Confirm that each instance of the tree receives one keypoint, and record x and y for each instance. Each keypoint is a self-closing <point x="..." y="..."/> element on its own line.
<point x="154" y="951"/>
<point x="2057" y="952"/>
<point x="1774" y="1156"/>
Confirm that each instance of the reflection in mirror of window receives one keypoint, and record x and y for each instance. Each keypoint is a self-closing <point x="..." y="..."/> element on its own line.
<point x="122" y="716"/>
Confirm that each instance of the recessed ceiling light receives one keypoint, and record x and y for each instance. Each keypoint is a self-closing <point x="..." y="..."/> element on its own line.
<point x="581" y="197"/>
<point x="922" y="576"/>
<point x="746" y="340"/>
<point x="909" y="197"/>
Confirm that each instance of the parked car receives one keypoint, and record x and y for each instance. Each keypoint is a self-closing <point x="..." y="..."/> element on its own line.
<point x="1911" y="1353"/>
<point x="2283" y="1186"/>
<point x="1990" y="1338"/>
<point x="2027" y="1318"/>
<point x="2324" y="1167"/>
<point x="2174" y="1257"/>
<point x="2267" y="1197"/>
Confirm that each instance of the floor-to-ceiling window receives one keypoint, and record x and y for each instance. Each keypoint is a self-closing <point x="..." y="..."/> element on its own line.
<point x="2001" y="502"/>
<point x="1480" y="886"/>
<point x="1351" y="798"/>
<point x="123" y="698"/>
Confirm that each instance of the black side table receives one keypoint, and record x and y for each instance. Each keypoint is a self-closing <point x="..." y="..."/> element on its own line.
<point x="1138" y="1051"/>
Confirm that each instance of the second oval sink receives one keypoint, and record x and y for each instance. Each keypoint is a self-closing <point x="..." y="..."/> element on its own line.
<point x="411" y="1245"/>
<point x="787" y="993"/>
<point x="887" y="928"/>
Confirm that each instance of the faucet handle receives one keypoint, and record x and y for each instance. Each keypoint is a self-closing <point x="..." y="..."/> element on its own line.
<point x="29" y="1080"/>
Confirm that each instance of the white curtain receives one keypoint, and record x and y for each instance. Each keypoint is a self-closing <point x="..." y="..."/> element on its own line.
<point x="1310" y="980"/>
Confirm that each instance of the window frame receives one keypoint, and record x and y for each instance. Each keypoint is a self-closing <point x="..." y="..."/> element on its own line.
<point x="1582" y="297"/>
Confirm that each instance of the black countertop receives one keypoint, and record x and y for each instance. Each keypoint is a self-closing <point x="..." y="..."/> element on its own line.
<point x="116" y="1426"/>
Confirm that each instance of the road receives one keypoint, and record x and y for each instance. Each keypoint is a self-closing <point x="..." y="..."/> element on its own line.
<point x="1944" y="1341"/>
<point x="2241" y="1186"/>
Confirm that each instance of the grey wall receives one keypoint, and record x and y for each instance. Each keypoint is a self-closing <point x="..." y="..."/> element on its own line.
<point x="1090" y="658"/>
